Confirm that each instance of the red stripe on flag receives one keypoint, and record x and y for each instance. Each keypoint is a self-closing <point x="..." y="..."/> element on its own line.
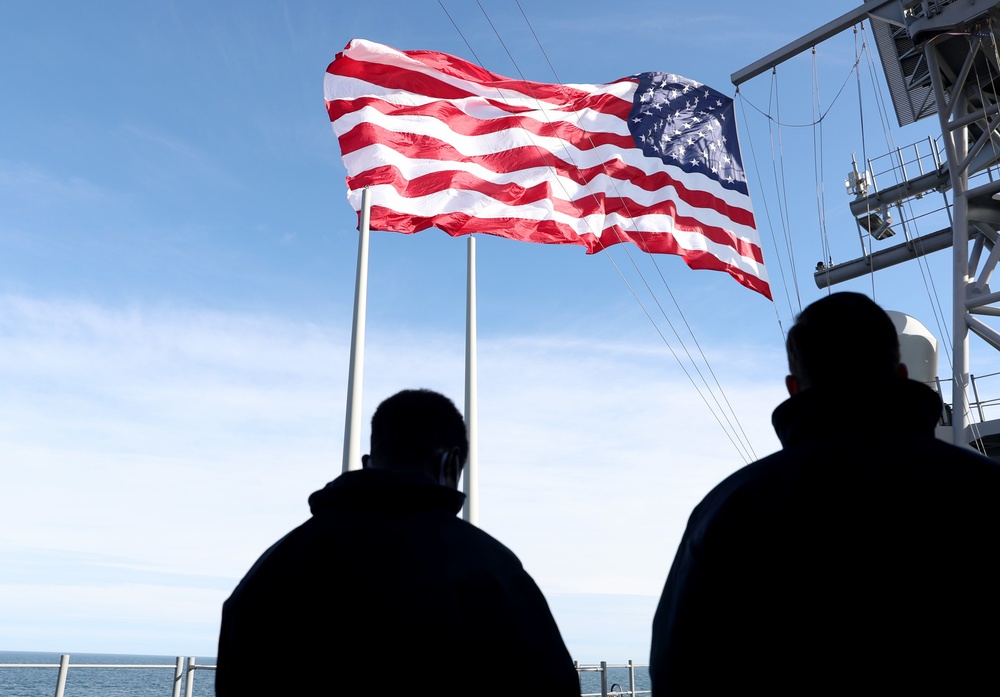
<point x="463" y="124"/>
<point x="603" y="103"/>
<point x="512" y="194"/>
<point x="553" y="232"/>
<point x="417" y="147"/>
<point x="406" y="79"/>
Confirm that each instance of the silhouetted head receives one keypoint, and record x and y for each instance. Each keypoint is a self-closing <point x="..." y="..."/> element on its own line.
<point x="419" y="430"/>
<point x="843" y="339"/>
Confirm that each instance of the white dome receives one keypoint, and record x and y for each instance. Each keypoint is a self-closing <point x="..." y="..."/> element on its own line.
<point x="918" y="348"/>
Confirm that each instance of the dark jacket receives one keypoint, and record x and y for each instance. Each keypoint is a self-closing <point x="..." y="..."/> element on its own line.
<point x="385" y="591"/>
<point x="864" y="556"/>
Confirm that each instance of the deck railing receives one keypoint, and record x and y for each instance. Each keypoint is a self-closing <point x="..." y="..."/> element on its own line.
<point x="608" y="688"/>
<point x="185" y="667"/>
<point x="978" y="406"/>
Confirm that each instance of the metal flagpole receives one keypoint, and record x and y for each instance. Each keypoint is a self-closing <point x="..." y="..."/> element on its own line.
<point x="471" y="478"/>
<point x="355" y="376"/>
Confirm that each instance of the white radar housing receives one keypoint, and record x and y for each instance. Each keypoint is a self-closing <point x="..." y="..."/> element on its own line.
<point x="918" y="349"/>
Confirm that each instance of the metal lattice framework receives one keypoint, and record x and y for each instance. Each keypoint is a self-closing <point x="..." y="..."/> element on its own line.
<point x="963" y="70"/>
<point x="906" y="72"/>
<point x="939" y="56"/>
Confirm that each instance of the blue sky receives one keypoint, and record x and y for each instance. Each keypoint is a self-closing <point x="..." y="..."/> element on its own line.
<point x="177" y="264"/>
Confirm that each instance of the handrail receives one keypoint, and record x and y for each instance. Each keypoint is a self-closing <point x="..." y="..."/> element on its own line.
<point x="607" y="691"/>
<point x="184" y="668"/>
<point x="978" y="404"/>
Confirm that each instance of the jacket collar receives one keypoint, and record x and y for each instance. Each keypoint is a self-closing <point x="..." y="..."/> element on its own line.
<point x="371" y="488"/>
<point x="870" y="411"/>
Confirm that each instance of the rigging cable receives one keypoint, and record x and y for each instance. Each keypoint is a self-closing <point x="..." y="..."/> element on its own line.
<point x="927" y="276"/>
<point x="767" y="214"/>
<point x="745" y="439"/>
<point x="783" y="193"/>
<point x="677" y="358"/>
<point x="864" y="158"/>
<point x="822" y="116"/>
<point x="818" y="162"/>
<point x="933" y="297"/>
<point x="818" y="167"/>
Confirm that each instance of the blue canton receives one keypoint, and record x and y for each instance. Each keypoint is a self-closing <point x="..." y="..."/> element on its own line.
<point x="687" y="125"/>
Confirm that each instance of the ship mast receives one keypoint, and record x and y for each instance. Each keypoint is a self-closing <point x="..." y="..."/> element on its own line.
<point x="940" y="57"/>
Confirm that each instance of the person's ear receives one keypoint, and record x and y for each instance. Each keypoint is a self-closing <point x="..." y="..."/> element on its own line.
<point x="451" y="468"/>
<point x="902" y="371"/>
<point x="792" y="385"/>
<point x="365" y="459"/>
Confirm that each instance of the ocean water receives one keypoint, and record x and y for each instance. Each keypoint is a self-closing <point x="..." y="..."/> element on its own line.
<point x="158" y="682"/>
<point x="98" y="682"/>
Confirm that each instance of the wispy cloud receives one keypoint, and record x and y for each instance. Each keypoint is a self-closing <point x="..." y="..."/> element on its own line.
<point x="164" y="449"/>
<point x="55" y="567"/>
<point x="166" y="155"/>
<point x="29" y="184"/>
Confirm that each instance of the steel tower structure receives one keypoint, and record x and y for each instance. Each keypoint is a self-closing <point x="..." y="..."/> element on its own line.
<point x="939" y="57"/>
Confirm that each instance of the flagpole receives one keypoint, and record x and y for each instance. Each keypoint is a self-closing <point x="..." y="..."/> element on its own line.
<point x="355" y="377"/>
<point x="471" y="479"/>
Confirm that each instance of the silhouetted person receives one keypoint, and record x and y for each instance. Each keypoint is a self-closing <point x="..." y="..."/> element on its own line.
<point x="861" y="558"/>
<point x="385" y="591"/>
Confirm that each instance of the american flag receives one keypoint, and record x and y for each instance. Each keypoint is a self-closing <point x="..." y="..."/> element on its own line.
<point x="651" y="159"/>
